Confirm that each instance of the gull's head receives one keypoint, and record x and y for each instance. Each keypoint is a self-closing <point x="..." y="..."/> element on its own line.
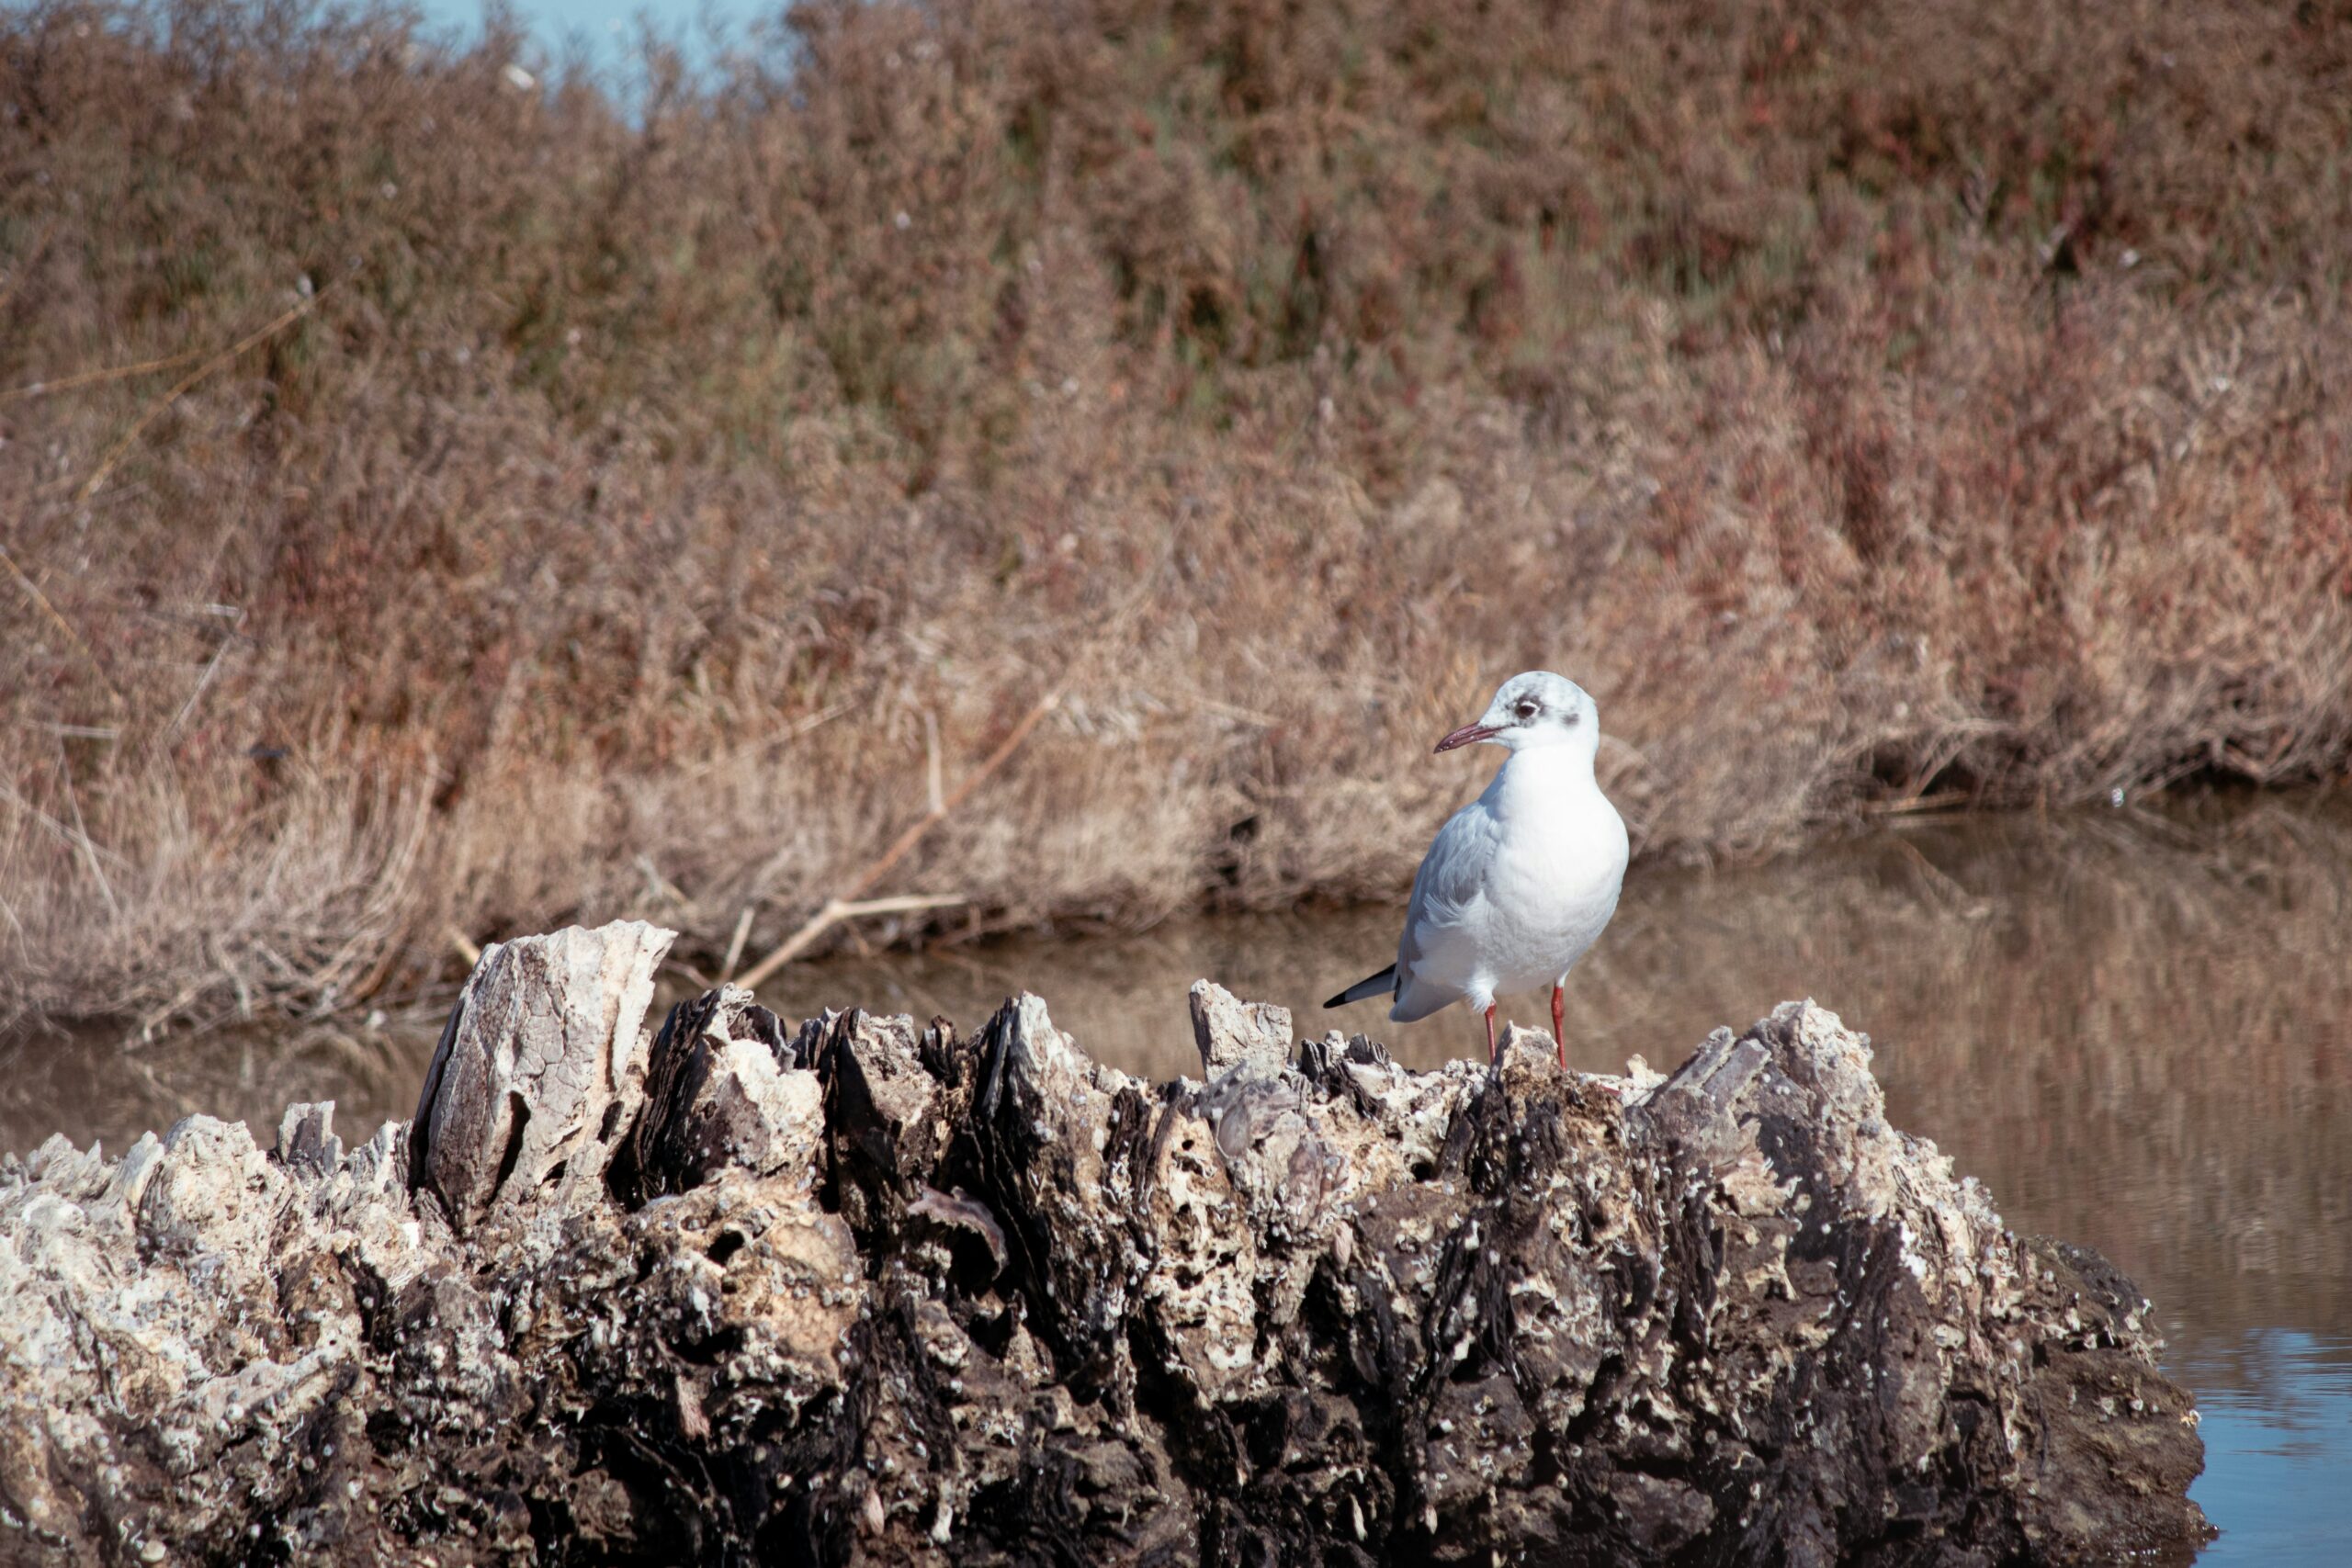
<point x="1537" y="709"/>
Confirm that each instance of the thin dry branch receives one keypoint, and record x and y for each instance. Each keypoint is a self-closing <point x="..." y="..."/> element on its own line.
<point x="934" y="774"/>
<point x="749" y="749"/>
<point x="735" y="944"/>
<point x="301" y="307"/>
<point x="64" y="628"/>
<point x="836" y="911"/>
<point x="840" y="907"/>
<point x="97" y="377"/>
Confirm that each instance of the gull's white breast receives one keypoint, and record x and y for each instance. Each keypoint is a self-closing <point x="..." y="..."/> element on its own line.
<point x="1518" y="884"/>
<point x="1552" y="890"/>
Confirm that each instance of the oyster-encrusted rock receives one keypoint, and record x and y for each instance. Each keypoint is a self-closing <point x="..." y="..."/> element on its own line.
<point x="876" y="1292"/>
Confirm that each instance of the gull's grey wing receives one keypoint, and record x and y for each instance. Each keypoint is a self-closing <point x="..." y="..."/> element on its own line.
<point x="1451" y="879"/>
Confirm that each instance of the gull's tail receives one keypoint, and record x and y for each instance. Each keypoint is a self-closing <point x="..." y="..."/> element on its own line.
<point x="1370" y="986"/>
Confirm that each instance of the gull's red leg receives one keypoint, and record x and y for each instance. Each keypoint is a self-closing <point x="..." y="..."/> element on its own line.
<point x="1490" y="1034"/>
<point x="1558" y="1038"/>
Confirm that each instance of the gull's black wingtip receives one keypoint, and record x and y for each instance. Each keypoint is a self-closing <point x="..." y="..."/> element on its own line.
<point x="1370" y="986"/>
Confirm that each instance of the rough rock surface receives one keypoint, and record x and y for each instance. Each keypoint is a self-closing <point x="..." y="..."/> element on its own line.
<point x="875" y="1292"/>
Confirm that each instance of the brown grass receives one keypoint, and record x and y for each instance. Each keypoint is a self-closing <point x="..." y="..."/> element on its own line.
<point x="1873" y="405"/>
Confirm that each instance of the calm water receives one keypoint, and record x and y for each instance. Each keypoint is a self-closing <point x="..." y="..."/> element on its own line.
<point x="2137" y="1028"/>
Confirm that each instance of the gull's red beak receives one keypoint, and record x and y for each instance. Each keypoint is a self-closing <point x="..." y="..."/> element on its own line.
<point x="1469" y="734"/>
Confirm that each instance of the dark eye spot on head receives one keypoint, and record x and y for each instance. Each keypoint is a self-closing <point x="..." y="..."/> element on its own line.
<point x="1528" y="709"/>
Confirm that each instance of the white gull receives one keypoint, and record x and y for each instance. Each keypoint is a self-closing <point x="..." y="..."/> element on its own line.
<point x="1518" y="884"/>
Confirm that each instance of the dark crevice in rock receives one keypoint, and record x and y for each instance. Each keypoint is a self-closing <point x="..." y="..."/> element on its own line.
<point x="518" y="1126"/>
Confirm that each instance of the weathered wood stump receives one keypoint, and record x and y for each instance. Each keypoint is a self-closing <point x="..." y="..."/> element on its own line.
<point x="875" y="1292"/>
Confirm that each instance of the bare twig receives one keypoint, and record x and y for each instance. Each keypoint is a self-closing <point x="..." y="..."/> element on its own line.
<point x="123" y="444"/>
<point x="466" y="949"/>
<point x="1918" y="805"/>
<point x="64" y="628"/>
<point x="735" y="944"/>
<point x="932" y="773"/>
<point x="836" y="911"/>
<point x="211" y="667"/>
<point x="792" y="731"/>
<point x="94" y="378"/>
<point x="842" y="907"/>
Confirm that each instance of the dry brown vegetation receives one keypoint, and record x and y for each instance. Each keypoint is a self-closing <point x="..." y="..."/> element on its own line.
<point x="1873" y="404"/>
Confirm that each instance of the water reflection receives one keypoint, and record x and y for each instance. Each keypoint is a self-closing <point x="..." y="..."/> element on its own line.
<point x="2277" y="1431"/>
<point x="2132" y="1026"/>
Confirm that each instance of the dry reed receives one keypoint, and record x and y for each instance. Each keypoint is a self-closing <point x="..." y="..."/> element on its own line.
<point x="1876" y="406"/>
